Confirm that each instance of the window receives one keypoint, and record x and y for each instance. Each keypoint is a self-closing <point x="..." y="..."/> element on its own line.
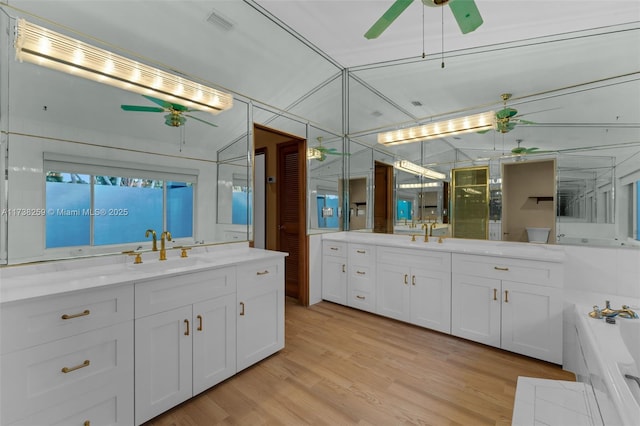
<point x="114" y="205"/>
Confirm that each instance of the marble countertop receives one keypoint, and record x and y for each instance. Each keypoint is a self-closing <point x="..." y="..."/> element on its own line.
<point x="530" y="251"/>
<point x="46" y="279"/>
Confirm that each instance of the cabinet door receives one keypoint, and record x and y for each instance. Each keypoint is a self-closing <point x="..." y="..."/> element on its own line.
<point x="475" y="308"/>
<point x="393" y="291"/>
<point x="163" y="362"/>
<point x="334" y="279"/>
<point x="532" y="320"/>
<point x="214" y="342"/>
<point x="260" y="324"/>
<point x="431" y="299"/>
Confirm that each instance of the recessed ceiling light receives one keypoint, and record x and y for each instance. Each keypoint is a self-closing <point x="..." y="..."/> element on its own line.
<point x="220" y="21"/>
<point x="416" y="103"/>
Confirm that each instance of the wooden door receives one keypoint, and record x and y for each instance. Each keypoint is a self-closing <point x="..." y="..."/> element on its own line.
<point x="383" y="199"/>
<point x="291" y="213"/>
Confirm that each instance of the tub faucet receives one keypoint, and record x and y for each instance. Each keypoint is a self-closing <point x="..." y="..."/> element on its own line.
<point x="626" y="312"/>
<point x="596" y="313"/>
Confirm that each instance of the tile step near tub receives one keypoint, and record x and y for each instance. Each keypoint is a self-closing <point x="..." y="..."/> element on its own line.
<point x="554" y="403"/>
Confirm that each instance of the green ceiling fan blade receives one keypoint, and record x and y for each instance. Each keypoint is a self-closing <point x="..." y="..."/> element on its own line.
<point x="141" y="108"/>
<point x="167" y="105"/>
<point x="385" y="20"/>
<point x="200" y="120"/>
<point x="467" y="15"/>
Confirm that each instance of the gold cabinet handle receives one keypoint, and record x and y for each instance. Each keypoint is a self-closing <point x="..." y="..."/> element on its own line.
<point x="360" y="297"/>
<point x="343" y="268"/>
<point x="86" y="423"/>
<point x="333" y="248"/>
<point x="66" y="370"/>
<point x="361" y="251"/>
<point x="498" y="268"/>
<point x="405" y="278"/>
<point x="262" y="273"/>
<point x="506" y="296"/>
<point x="81" y="314"/>
<point x="186" y="331"/>
<point x="199" y="322"/>
<point x="495" y="294"/>
<point x="413" y="280"/>
<point x="360" y="273"/>
<point x="241" y="308"/>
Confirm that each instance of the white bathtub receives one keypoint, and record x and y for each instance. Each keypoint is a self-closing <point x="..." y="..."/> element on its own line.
<point x="609" y="352"/>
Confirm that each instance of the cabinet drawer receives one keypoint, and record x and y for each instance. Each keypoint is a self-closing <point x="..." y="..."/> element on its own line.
<point x="28" y="323"/>
<point x="110" y="405"/>
<point x="334" y="248"/>
<point x="362" y="277"/>
<point x="433" y="260"/>
<point x="267" y="274"/>
<point x="48" y="375"/>
<point x="162" y="294"/>
<point x="520" y="270"/>
<point x="362" y="299"/>
<point x="362" y="254"/>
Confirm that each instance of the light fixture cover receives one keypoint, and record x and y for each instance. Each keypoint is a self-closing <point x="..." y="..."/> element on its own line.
<point x="50" y="49"/>
<point x="415" y="169"/>
<point x="440" y="129"/>
<point x="313" y="154"/>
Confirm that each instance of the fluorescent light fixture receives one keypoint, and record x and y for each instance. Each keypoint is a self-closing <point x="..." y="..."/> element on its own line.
<point x="313" y="154"/>
<point x="50" y="49"/>
<point x="415" y="169"/>
<point x="440" y="129"/>
<point x="419" y="185"/>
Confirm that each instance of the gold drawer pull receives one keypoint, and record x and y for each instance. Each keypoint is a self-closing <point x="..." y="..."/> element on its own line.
<point x="343" y="268"/>
<point x="242" y="308"/>
<point x="361" y="297"/>
<point x="334" y="248"/>
<point x="86" y="423"/>
<point x="413" y="280"/>
<point x="81" y="314"/>
<point x="498" y="268"/>
<point x="262" y="273"/>
<point x="186" y="331"/>
<point x="361" y="251"/>
<point x="199" y="322"/>
<point x="77" y="367"/>
<point x="506" y="296"/>
<point x="495" y="294"/>
<point x="360" y="273"/>
<point x="405" y="278"/>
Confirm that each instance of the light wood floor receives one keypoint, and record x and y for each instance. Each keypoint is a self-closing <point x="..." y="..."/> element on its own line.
<point x="341" y="366"/>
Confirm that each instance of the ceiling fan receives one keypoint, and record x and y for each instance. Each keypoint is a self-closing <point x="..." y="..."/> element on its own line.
<point x="176" y="116"/>
<point x="507" y="118"/>
<point x="465" y="11"/>
<point x="320" y="152"/>
<point x="520" y="150"/>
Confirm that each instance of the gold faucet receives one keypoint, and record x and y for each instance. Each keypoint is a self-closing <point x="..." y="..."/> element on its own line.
<point x="163" y="250"/>
<point x="155" y="240"/>
<point x="425" y="226"/>
<point x="625" y="312"/>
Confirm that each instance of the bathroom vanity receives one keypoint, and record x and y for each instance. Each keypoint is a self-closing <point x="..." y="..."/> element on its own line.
<point x="503" y="294"/>
<point x="81" y="338"/>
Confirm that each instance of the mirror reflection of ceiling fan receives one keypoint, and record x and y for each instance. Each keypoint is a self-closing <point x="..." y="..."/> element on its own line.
<point x="320" y="152"/>
<point x="176" y="116"/>
<point x="507" y="118"/>
<point x="465" y="11"/>
<point x="520" y="150"/>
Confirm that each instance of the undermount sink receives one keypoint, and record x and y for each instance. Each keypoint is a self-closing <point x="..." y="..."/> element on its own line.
<point x="156" y="265"/>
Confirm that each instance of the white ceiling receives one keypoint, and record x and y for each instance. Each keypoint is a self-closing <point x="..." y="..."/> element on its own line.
<point x="573" y="66"/>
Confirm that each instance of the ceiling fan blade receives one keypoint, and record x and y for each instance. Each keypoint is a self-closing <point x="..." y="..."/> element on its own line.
<point x="467" y="15"/>
<point x="387" y="18"/>
<point x="200" y="120"/>
<point x="167" y="105"/>
<point x="141" y="108"/>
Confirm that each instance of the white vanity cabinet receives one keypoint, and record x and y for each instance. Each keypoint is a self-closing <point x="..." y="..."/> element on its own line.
<point x="185" y="337"/>
<point x="260" y="311"/>
<point x="514" y="304"/>
<point x="334" y="271"/>
<point x="68" y="359"/>
<point x="361" y="279"/>
<point x="414" y="285"/>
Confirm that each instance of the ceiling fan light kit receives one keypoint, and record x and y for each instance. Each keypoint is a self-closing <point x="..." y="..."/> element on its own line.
<point x="314" y="154"/>
<point x="50" y="49"/>
<point x="409" y="167"/>
<point x="455" y="126"/>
